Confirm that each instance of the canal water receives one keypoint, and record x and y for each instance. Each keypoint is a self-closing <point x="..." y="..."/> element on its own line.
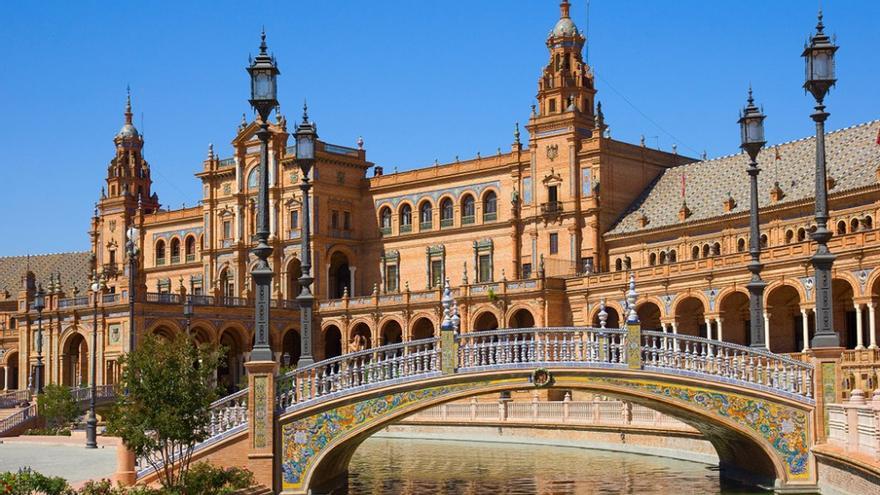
<point x="401" y="466"/>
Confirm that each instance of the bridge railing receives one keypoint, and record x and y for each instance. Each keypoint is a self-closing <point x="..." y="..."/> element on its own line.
<point x="16" y="419"/>
<point x="405" y="360"/>
<point x="530" y="346"/>
<point x="731" y="362"/>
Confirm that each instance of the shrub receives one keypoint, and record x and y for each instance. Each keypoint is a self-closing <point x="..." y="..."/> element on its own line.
<point x="28" y="482"/>
<point x="205" y="479"/>
<point x="57" y="405"/>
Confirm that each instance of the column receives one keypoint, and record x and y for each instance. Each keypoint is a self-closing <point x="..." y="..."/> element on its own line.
<point x="720" y="321"/>
<point x="872" y="325"/>
<point x="860" y="344"/>
<point x="5" y="377"/>
<point x="708" y="328"/>
<point x="675" y="333"/>
<point x="767" y="330"/>
<point x="664" y="329"/>
<point x="805" y="323"/>
<point x="351" y="270"/>
<point x="272" y="214"/>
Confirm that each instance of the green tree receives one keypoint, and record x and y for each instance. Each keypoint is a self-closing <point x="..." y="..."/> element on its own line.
<point x="57" y="405"/>
<point x="164" y="408"/>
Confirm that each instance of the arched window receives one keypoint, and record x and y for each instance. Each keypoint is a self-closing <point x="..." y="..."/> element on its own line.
<point x="854" y="225"/>
<point x="446" y="213"/>
<point x="160" y="253"/>
<point x="406" y="218"/>
<point x="868" y="223"/>
<point x="468" y="209"/>
<point x="627" y="263"/>
<point x="764" y="241"/>
<point x="190" y="249"/>
<point x="652" y="259"/>
<point x="490" y="207"/>
<point x="789" y="236"/>
<point x="425" y="217"/>
<point x="705" y="250"/>
<point x="841" y="227"/>
<point x="740" y="245"/>
<point x="253" y="178"/>
<point x="695" y="253"/>
<point x="716" y="249"/>
<point x="801" y="234"/>
<point x="175" y="250"/>
<point x="618" y="264"/>
<point x="672" y="256"/>
<point x="662" y="257"/>
<point x="385" y="219"/>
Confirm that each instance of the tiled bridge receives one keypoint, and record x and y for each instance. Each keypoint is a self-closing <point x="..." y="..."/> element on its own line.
<point x="298" y="431"/>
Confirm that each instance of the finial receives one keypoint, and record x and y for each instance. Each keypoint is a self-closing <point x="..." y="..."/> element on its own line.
<point x="243" y="123"/>
<point x="360" y="142"/>
<point x="674" y="149"/>
<point x="436" y="162"/>
<point x="456" y="318"/>
<point x="498" y="151"/>
<point x="456" y="159"/>
<point x="603" y="315"/>
<point x="103" y="193"/>
<point x="704" y="156"/>
<point x="263" y="42"/>
<point x="564" y="8"/>
<point x="642" y="141"/>
<point x="210" y="152"/>
<point x="305" y="112"/>
<point x="406" y="286"/>
<point x="516" y="131"/>
<point x="503" y="275"/>
<point x="345" y="292"/>
<point x="820" y="26"/>
<point x="534" y="113"/>
<point x="375" y="289"/>
<point x="128" y="105"/>
<point x="600" y="117"/>
<point x="631" y="298"/>
<point x="478" y="155"/>
<point x="446" y="300"/>
<point x="278" y="114"/>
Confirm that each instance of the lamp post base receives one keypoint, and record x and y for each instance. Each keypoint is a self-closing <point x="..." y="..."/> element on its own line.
<point x="92" y="432"/>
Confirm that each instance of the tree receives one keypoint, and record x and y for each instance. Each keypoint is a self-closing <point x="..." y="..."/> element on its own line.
<point x="164" y="410"/>
<point x="57" y="405"/>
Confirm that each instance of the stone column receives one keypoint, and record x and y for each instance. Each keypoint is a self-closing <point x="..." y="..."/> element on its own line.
<point x="675" y="332"/>
<point x="872" y="326"/>
<point x="5" y="377"/>
<point x="860" y="344"/>
<point x="708" y="328"/>
<point x="767" y="329"/>
<point x="351" y="270"/>
<point x="720" y="322"/>
<point x="805" y="322"/>
<point x="261" y="407"/>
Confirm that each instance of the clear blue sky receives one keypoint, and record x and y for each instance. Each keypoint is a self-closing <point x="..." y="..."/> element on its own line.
<point x="419" y="80"/>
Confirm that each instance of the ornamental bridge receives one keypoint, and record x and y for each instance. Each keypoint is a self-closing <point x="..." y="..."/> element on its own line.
<point x="298" y="431"/>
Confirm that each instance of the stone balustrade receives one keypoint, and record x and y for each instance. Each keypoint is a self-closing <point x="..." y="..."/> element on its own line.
<point x="855" y="425"/>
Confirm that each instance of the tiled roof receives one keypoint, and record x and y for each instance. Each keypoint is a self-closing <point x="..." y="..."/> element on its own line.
<point x="852" y="157"/>
<point x="73" y="267"/>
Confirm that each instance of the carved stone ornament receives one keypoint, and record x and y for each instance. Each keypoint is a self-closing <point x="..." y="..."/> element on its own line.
<point x="552" y="151"/>
<point x="541" y="378"/>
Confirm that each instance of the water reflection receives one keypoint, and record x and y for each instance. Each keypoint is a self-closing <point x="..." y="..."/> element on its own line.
<point x="396" y="466"/>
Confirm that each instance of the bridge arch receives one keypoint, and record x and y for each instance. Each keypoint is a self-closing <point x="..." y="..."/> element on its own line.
<point x="748" y="429"/>
<point x="782" y="306"/>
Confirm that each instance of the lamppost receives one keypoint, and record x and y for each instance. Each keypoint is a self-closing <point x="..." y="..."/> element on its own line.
<point x="187" y="311"/>
<point x="39" y="305"/>
<point x="264" y="91"/>
<point x="306" y="135"/>
<point x="131" y="250"/>
<point x="751" y="124"/>
<point x="819" y="57"/>
<point x="98" y="285"/>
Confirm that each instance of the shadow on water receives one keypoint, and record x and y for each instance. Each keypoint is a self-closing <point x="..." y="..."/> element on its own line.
<point x="398" y="466"/>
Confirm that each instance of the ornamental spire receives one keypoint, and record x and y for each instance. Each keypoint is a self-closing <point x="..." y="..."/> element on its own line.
<point x="565" y="8"/>
<point x="128" y="105"/>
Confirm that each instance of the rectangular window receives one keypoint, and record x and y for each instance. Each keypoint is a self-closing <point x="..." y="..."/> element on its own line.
<point x="526" y="270"/>
<point x="346" y="220"/>
<point x="436" y="273"/>
<point x="586" y="182"/>
<point x="113" y="257"/>
<point x="334" y="219"/>
<point x="554" y="243"/>
<point x="391" y="278"/>
<point x="552" y="105"/>
<point x="227" y="229"/>
<point x="485" y="261"/>
<point x="552" y="194"/>
<point x="527" y="191"/>
<point x="294" y="219"/>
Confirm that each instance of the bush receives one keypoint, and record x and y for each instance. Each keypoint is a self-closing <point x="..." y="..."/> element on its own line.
<point x="58" y="432"/>
<point x="56" y="404"/>
<point x="27" y="482"/>
<point x="205" y="479"/>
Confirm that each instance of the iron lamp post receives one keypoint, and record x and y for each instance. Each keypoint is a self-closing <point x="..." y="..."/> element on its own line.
<point x="819" y="58"/>
<point x="751" y="123"/>
<point x="98" y="285"/>
<point x="264" y="73"/>
<point x="131" y="250"/>
<point x="187" y="312"/>
<point x="39" y="305"/>
<point x="306" y="137"/>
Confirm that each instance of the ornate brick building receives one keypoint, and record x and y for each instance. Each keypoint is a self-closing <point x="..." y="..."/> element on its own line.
<point x="537" y="234"/>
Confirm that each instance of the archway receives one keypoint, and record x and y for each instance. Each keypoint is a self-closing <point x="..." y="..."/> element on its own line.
<point x="736" y="320"/>
<point x="649" y="316"/>
<point x="230" y="373"/>
<point x="165" y="333"/>
<point x="226" y="283"/>
<point x="200" y="335"/>
<point x="423" y="328"/>
<point x="332" y="342"/>
<point x="485" y="321"/>
<point x="392" y="333"/>
<point x="340" y="276"/>
<point x="294" y="272"/>
<point x="74" y="361"/>
<point x="844" y="312"/>
<point x="12" y="369"/>
<point x="612" y="320"/>
<point x="521" y="318"/>
<point x="786" y="330"/>
<point x="291" y="347"/>
<point x="360" y="338"/>
<point x="689" y="313"/>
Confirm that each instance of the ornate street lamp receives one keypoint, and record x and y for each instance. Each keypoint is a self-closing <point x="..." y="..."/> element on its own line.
<point x="819" y="58"/>
<point x="264" y="73"/>
<point x="131" y="250"/>
<point x="39" y="305"/>
<point x="187" y="311"/>
<point x="98" y="285"/>
<point x="306" y="136"/>
<point x="751" y="123"/>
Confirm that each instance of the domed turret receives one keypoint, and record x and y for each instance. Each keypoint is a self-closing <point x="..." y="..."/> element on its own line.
<point x="128" y="130"/>
<point x="565" y="26"/>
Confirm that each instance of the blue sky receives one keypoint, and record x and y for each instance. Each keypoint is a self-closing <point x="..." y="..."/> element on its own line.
<point x="419" y="80"/>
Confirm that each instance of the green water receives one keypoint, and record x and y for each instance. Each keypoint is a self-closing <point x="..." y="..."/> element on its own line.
<point x="397" y="466"/>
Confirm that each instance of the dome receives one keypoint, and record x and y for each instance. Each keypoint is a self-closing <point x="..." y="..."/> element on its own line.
<point x="565" y="27"/>
<point x="127" y="131"/>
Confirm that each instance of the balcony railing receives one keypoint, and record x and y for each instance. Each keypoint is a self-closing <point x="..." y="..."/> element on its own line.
<point x="340" y="234"/>
<point x="160" y="261"/>
<point x="72" y="302"/>
<point x="227" y="162"/>
<point x="110" y="298"/>
<point x="406" y="228"/>
<point x="294" y="234"/>
<point x="226" y="243"/>
<point x="551" y="207"/>
<point x="163" y="298"/>
<point x="490" y="216"/>
<point x="385" y="230"/>
<point x="190" y="258"/>
<point x="446" y="223"/>
<point x="423" y="226"/>
<point x="175" y="260"/>
<point x="467" y="219"/>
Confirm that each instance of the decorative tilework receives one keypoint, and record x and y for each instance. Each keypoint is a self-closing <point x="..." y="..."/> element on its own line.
<point x="260" y="411"/>
<point x="415" y="198"/>
<point x="180" y="233"/>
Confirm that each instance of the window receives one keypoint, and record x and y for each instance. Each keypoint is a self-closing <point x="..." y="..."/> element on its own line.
<point x="164" y="286"/>
<point x="554" y="243"/>
<point x="446" y="213"/>
<point x="175" y="250"/>
<point x="112" y="257"/>
<point x="425" y="219"/>
<point x="490" y="207"/>
<point x="346" y="220"/>
<point x="741" y="245"/>
<point x="695" y="253"/>
<point x="467" y="209"/>
<point x="705" y="250"/>
<point x="841" y="227"/>
<point x="868" y="223"/>
<point x="662" y="257"/>
<point x="406" y="218"/>
<point x="294" y="219"/>
<point x="802" y="234"/>
<point x="586" y="182"/>
<point x="764" y="240"/>
<point x="789" y="236"/>
<point x="618" y="264"/>
<point x="437" y="273"/>
<point x="160" y="253"/>
<point x="552" y="103"/>
<point x="227" y="229"/>
<point x="552" y="194"/>
<point x="652" y="259"/>
<point x="672" y="256"/>
<point x="253" y="178"/>
<point x="334" y="220"/>
<point x="385" y="219"/>
<point x="526" y="270"/>
<point x="190" y="249"/>
<point x="391" y="278"/>
<point x="485" y="269"/>
<point x="716" y="249"/>
<point x="527" y="191"/>
<point x="854" y="225"/>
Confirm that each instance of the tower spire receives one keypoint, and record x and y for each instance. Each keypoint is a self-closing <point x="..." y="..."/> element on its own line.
<point x="128" y="105"/>
<point x="564" y="9"/>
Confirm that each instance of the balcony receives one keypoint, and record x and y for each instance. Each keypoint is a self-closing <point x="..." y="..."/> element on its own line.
<point x="175" y="259"/>
<point x="110" y="298"/>
<point x="490" y="217"/>
<point x="160" y="261"/>
<point x="425" y="226"/>
<point x="406" y="228"/>
<point x="385" y="230"/>
<point x="467" y="219"/>
<point x="445" y="223"/>
<point x="163" y="298"/>
<point x="190" y="258"/>
<point x="551" y="208"/>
